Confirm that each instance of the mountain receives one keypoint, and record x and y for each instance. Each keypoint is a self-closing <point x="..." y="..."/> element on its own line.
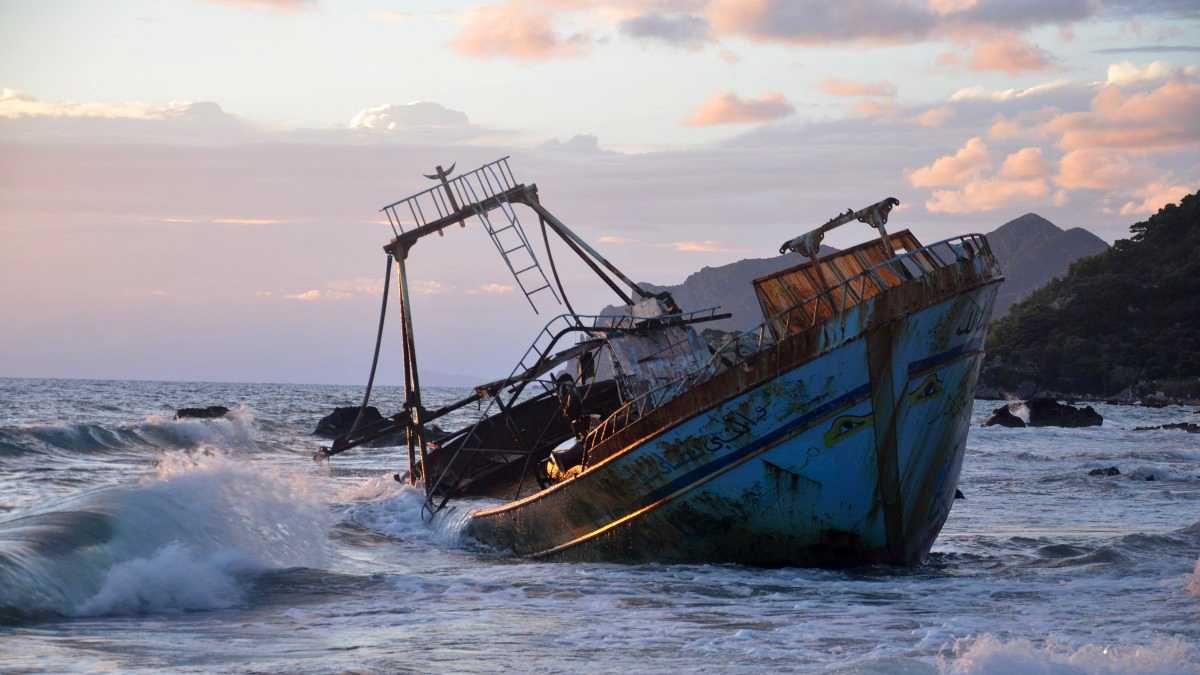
<point x="1124" y="321"/>
<point x="1032" y="250"/>
<point x="730" y="286"/>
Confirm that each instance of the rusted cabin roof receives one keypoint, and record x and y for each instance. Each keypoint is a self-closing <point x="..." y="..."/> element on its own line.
<point x="787" y="289"/>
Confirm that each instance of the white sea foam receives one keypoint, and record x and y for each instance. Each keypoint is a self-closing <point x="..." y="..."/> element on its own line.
<point x="394" y="509"/>
<point x="175" y="541"/>
<point x="991" y="655"/>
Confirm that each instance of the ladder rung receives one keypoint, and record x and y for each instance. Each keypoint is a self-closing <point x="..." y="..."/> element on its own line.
<point x="518" y="248"/>
<point x="496" y="232"/>
<point x="540" y="288"/>
<point x="522" y="271"/>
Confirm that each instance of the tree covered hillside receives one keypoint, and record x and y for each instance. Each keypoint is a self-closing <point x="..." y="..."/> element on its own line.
<point x="1125" y="319"/>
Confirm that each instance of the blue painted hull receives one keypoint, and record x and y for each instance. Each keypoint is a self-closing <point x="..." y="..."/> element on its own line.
<point x="848" y="456"/>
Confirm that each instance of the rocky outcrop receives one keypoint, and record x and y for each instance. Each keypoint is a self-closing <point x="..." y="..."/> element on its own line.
<point x="208" y="413"/>
<point x="1110" y="471"/>
<point x="1182" y="426"/>
<point x="1003" y="417"/>
<point x="338" y="422"/>
<point x="1047" y="412"/>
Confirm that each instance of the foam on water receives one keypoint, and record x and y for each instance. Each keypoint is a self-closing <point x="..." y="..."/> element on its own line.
<point x="990" y="655"/>
<point x="177" y="540"/>
<point x="388" y="507"/>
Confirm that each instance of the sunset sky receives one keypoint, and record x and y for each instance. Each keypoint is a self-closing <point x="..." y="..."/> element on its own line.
<point x="190" y="189"/>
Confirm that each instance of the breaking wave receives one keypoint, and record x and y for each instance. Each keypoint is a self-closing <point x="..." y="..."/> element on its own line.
<point x="236" y="430"/>
<point x="387" y="507"/>
<point x="182" y="539"/>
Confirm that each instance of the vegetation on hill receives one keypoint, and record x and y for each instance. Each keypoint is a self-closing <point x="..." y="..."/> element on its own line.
<point x="1125" y="320"/>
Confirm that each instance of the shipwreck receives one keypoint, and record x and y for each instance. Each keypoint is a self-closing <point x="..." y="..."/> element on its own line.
<point x="833" y="434"/>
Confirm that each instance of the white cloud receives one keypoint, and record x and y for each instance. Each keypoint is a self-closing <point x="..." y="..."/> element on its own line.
<point x="980" y="93"/>
<point x="1127" y="72"/>
<point x="416" y="115"/>
<point x="492" y="289"/>
<point x="705" y="246"/>
<point x="318" y="294"/>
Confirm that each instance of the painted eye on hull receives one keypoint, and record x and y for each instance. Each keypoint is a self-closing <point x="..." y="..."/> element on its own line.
<point x="930" y="389"/>
<point x="845" y="426"/>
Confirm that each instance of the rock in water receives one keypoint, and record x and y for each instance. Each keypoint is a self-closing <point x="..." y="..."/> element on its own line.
<point x="1046" y="412"/>
<point x="1182" y="426"/>
<point x="1110" y="471"/>
<point x="1003" y="416"/>
<point x="211" y="412"/>
<point x="338" y="422"/>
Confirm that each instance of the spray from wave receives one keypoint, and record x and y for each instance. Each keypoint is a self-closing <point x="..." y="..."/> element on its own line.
<point x="181" y="539"/>
<point x="990" y="655"/>
<point x="393" y="509"/>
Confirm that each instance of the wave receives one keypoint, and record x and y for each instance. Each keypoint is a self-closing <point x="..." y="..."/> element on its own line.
<point x="236" y="430"/>
<point x="393" y="509"/>
<point x="185" y="538"/>
<point x="990" y="655"/>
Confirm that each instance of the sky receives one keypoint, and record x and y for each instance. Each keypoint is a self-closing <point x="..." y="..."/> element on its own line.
<point x="190" y="189"/>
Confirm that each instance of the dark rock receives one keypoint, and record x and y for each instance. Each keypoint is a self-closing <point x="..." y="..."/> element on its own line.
<point x="1151" y="477"/>
<point x="1152" y="402"/>
<point x="211" y="412"/>
<point x="1046" y="412"/>
<point x="958" y="494"/>
<point x="1182" y="426"/>
<point x="1003" y="416"/>
<point x="338" y="422"/>
<point x="1110" y="471"/>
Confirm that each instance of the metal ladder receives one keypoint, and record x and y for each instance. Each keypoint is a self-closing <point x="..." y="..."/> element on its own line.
<point x="467" y="192"/>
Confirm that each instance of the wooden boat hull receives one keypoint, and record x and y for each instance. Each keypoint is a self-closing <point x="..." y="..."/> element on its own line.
<point x="840" y="446"/>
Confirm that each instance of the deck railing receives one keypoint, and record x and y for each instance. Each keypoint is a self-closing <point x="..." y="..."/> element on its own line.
<point x="807" y="313"/>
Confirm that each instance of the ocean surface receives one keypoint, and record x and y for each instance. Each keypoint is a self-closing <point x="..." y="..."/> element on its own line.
<point x="133" y="542"/>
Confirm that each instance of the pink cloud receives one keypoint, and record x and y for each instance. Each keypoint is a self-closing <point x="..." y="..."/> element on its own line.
<point x="1002" y="127"/>
<point x="1153" y="197"/>
<point x="960" y="168"/>
<point x="729" y="108"/>
<point x="1164" y="118"/>
<point x="515" y="31"/>
<point x="838" y="87"/>
<point x="1095" y="169"/>
<point x="875" y="106"/>
<point x="1022" y="175"/>
<point x="935" y="117"/>
<point x="1010" y="55"/>
<point x="1024" y="163"/>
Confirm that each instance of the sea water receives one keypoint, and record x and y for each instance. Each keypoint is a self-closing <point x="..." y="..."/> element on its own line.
<point x="133" y="542"/>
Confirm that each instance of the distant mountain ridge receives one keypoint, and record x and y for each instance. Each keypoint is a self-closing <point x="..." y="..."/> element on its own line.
<point x="730" y="286"/>
<point x="1032" y="250"/>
